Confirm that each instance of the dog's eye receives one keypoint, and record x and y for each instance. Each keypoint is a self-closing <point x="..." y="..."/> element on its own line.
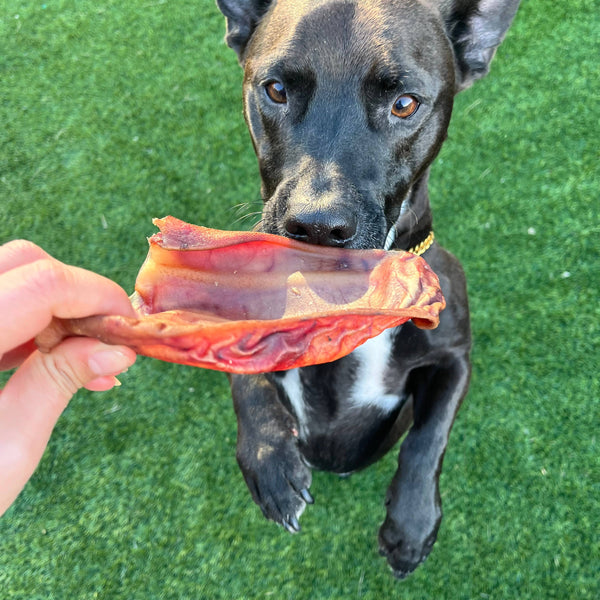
<point x="405" y="106"/>
<point x="276" y="92"/>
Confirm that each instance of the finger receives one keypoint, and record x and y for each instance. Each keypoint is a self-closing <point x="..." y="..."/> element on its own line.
<point x="31" y="294"/>
<point x="19" y="252"/>
<point x="36" y="395"/>
<point x="102" y="384"/>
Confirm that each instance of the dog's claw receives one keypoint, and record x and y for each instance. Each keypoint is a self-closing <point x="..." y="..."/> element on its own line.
<point x="307" y="497"/>
<point x="291" y="525"/>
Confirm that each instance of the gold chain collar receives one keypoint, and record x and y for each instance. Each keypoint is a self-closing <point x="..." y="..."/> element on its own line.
<point x="423" y="246"/>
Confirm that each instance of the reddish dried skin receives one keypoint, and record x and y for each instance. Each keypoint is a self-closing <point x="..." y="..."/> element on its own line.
<point x="249" y="302"/>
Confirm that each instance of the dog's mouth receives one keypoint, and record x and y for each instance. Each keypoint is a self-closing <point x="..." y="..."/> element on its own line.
<point x="324" y="207"/>
<point x="419" y="243"/>
<point x="354" y="230"/>
<point x="320" y="204"/>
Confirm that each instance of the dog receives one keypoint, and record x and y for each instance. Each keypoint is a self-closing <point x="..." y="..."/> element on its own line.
<point x="348" y="103"/>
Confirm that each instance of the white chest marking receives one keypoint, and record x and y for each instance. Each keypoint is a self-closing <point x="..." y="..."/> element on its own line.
<point x="293" y="388"/>
<point x="369" y="388"/>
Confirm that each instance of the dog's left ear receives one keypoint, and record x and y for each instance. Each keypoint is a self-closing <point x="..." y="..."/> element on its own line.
<point x="241" y="16"/>
<point x="476" y="28"/>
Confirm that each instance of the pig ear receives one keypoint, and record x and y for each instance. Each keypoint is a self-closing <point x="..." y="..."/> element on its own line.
<point x="476" y="28"/>
<point x="241" y="17"/>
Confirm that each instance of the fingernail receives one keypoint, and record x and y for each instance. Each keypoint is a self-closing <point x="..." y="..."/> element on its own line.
<point x="109" y="362"/>
<point x="102" y="384"/>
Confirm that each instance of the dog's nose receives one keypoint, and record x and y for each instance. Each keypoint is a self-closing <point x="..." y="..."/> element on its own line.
<point x="321" y="227"/>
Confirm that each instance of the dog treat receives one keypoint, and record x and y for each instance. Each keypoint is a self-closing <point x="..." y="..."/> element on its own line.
<point x="250" y="302"/>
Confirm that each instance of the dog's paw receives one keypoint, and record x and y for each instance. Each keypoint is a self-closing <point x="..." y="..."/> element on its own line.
<point x="404" y="550"/>
<point x="278" y="479"/>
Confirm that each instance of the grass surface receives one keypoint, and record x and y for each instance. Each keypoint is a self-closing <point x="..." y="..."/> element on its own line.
<point x="115" y="112"/>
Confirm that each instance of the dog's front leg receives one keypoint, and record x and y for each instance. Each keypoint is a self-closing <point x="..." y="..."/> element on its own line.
<point x="267" y="451"/>
<point x="413" y="503"/>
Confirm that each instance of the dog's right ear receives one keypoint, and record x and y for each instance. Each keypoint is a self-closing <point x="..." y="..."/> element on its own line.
<point x="241" y="16"/>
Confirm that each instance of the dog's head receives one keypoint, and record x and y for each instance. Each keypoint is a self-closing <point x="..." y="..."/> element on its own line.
<point x="348" y="103"/>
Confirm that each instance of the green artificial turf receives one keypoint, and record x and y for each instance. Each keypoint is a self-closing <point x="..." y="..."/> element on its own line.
<point x="115" y="112"/>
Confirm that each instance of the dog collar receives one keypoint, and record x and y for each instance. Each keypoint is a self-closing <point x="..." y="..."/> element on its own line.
<point x="424" y="245"/>
<point x="419" y="249"/>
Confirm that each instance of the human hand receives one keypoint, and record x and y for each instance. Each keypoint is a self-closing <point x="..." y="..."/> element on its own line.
<point x="34" y="288"/>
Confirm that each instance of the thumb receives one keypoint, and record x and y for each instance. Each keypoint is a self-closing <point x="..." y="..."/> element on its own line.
<point x="36" y="395"/>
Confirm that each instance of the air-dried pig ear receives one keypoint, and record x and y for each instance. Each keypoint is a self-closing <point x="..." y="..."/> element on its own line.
<point x="250" y="302"/>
